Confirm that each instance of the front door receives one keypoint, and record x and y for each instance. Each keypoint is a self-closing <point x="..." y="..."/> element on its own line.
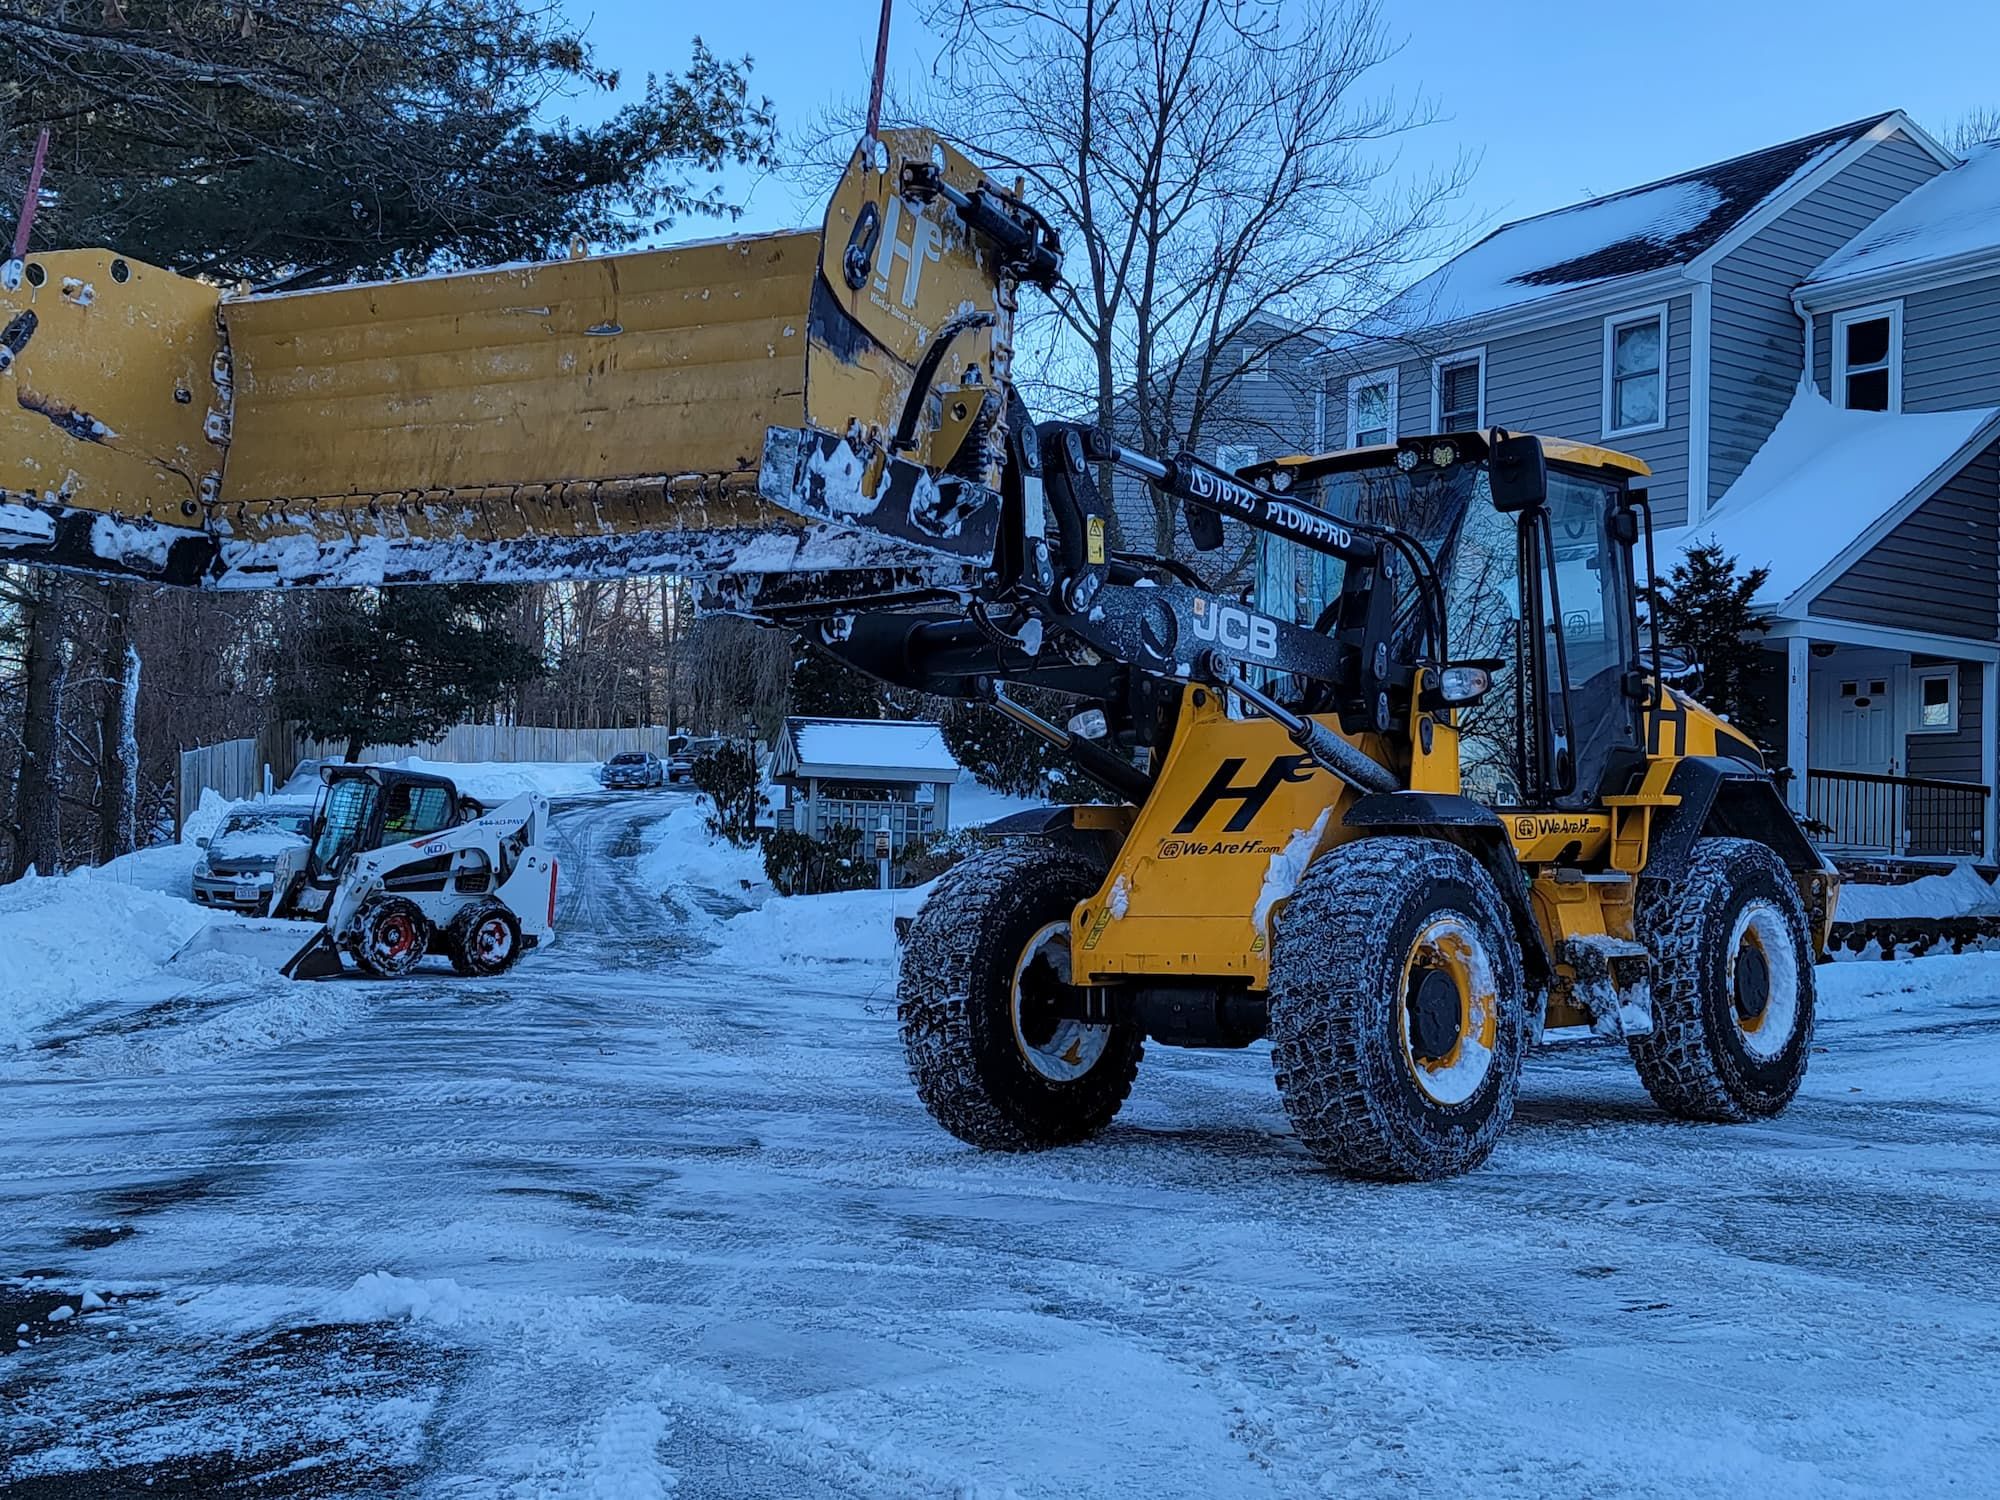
<point x="1856" y="741"/>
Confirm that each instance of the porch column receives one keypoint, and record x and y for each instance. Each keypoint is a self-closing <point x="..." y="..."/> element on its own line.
<point x="1989" y="753"/>
<point x="1798" y="674"/>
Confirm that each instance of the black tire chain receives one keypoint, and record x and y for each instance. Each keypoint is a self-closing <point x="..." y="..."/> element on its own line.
<point x="957" y="949"/>
<point x="1330" y="1019"/>
<point x="1679" y="1062"/>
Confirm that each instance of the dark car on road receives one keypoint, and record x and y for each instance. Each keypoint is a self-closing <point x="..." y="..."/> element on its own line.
<point x="635" y="768"/>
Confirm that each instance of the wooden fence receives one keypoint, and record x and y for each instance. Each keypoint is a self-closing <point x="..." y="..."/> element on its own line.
<point x="235" y="769"/>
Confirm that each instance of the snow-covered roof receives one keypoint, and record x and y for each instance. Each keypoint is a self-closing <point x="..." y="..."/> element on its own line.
<point x="1824" y="480"/>
<point x="1649" y="228"/>
<point x="894" y="749"/>
<point x="1955" y="214"/>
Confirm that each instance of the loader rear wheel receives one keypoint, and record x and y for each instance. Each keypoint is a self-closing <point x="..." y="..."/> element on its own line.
<point x="483" y="940"/>
<point x="986" y="963"/>
<point x="391" y="936"/>
<point x="1733" y="993"/>
<point x="1398" y="1018"/>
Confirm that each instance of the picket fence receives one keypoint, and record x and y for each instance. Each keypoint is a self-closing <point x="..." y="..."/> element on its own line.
<point x="236" y="769"/>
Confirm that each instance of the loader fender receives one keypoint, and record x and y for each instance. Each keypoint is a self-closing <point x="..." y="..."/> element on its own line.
<point x="1723" y="798"/>
<point x="1477" y="829"/>
<point x="1095" y="829"/>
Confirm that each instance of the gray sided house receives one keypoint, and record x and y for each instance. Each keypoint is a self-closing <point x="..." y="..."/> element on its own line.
<point x="1804" y="344"/>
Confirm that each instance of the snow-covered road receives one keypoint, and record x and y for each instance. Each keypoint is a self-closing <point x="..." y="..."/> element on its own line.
<point x="632" y="1221"/>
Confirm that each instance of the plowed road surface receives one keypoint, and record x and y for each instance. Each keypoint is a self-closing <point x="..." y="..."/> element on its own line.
<point x="630" y="1222"/>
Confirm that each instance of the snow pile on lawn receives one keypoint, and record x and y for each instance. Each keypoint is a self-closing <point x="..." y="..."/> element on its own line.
<point x="680" y="851"/>
<point x="497" y="781"/>
<point x="1962" y="893"/>
<point x="71" y="940"/>
<point x="840" y="927"/>
<point x="974" y="805"/>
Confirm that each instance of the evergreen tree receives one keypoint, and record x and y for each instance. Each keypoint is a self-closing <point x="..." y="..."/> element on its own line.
<point x="297" y="142"/>
<point x="1707" y="612"/>
<point x="396" y="666"/>
<point x="822" y="686"/>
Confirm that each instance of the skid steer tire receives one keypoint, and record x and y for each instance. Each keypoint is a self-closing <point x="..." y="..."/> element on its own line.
<point x="1398" y="1017"/>
<point x="988" y="1068"/>
<point x="391" y="937"/>
<point x="483" y="940"/>
<point x="1733" y="991"/>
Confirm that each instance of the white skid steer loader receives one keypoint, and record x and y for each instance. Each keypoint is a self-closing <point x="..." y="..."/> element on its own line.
<point x="399" y="865"/>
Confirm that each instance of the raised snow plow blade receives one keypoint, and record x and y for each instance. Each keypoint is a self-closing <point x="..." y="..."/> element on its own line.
<point x="804" y="402"/>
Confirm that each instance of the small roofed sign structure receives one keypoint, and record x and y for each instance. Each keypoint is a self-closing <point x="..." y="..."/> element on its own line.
<point x="865" y="773"/>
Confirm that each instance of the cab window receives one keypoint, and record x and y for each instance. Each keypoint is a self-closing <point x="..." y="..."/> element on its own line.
<point x="345" y="814"/>
<point x="414" y="811"/>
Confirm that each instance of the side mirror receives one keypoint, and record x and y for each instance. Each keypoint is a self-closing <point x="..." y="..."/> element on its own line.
<point x="1519" y="473"/>
<point x="201" y="843"/>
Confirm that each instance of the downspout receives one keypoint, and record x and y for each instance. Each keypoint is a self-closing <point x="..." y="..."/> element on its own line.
<point x="1808" y="379"/>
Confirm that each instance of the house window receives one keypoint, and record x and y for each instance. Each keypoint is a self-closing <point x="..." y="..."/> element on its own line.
<point x="1936" y="705"/>
<point x="1635" y="372"/>
<point x="1230" y="457"/>
<point x="1458" y="393"/>
<point x="1257" y="366"/>
<point x="1371" y="409"/>
<point x="1868" y="358"/>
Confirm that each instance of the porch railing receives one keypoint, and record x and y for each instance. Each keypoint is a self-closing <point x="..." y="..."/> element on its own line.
<point x="1897" y="814"/>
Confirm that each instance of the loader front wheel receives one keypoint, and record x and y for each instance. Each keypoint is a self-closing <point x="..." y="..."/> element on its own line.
<point x="483" y="940"/>
<point x="1398" y="1018"/>
<point x="391" y="936"/>
<point x="1732" y="985"/>
<point x="984" y="983"/>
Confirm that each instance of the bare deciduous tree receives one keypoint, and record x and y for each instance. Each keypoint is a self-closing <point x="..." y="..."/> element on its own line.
<point x="1223" y="180"/>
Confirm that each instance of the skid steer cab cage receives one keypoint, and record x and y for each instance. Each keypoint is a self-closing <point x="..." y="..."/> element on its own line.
<point x="823" y="401"/>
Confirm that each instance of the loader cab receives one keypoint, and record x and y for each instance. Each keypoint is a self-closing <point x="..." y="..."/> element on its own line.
<point x="1533" y="546"/>
<point x="366" y="807"/>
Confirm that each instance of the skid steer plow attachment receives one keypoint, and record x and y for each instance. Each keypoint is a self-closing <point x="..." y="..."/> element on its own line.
<point x="769" y="404"/>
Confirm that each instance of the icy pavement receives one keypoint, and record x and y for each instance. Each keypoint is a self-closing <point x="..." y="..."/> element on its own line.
<point x="633" y="1221"/>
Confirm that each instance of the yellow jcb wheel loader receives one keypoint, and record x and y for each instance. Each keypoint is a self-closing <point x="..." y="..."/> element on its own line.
<point x="1449" y="806"/>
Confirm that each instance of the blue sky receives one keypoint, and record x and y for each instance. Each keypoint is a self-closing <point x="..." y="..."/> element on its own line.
<point x="1559" y="100"/>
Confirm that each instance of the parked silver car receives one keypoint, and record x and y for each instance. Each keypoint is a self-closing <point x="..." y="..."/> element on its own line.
<point x="237" y="861"/>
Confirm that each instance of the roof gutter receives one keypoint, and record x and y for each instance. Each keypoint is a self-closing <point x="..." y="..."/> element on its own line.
<point x="1967" y="265"/>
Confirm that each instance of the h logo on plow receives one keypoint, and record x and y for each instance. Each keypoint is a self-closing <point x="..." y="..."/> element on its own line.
<point x="1250" y="799"/>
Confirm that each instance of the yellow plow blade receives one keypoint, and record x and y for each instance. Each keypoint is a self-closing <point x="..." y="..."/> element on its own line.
<point x="724" y="407"/>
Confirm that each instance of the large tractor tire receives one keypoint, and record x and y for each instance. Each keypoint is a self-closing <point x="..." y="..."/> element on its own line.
<point x="391" y="936"/>
<point x="1398" y="1011"/>
<point x="986" y="954"/>
<point x="1732" y="985"/>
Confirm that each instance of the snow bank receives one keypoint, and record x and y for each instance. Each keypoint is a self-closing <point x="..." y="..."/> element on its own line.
<point x="68" y="941"/>
<point x="1847" y="990"/>
<point x="496" y="781"/>
<point x="1962" y="893"/>
<point x="842" y="927"/>
<point x="679" y="851"/>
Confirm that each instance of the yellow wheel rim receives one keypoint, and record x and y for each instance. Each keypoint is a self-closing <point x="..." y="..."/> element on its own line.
<point x="1448" y="1010"/>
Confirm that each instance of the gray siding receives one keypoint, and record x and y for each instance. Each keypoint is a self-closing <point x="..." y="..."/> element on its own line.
<point x="1951" y="346"/>
<point x="1955" y="756"/>
<point x="1552" y="381"/>
<point x="1937" y="570"/>
<point x="1757" y="344"/>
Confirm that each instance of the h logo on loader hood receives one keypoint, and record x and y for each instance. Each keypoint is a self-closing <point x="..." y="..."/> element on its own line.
<point x="1250" y="799"/>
